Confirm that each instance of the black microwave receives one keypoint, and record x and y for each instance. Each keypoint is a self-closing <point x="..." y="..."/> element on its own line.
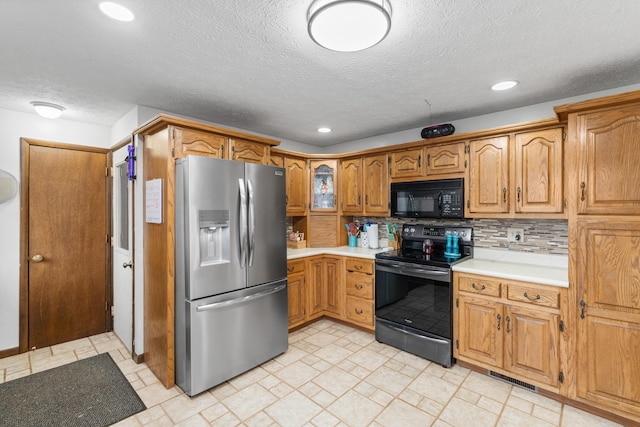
<point x="443" y="198"/>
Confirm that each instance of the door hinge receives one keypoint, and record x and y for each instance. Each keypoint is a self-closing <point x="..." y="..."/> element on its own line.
<point x="466" y="148"/>
<point x="457" y="345"/>
<point x="173" y="152"/>
<point x="112" y="310"/>
<point x="561" y="326"/>
<point x="173" y="133"/>
<point x="108" y="172"/>
<point x="106" y="305"/>
<point x="457" y="302"/>
<point x="465" y="164"/>
<point x="561" y="377"/>
<point x="566" y="204"/>
<point x="108" y="239"/>
<point x="468" y="204"/>
<point x="564" y="135"/>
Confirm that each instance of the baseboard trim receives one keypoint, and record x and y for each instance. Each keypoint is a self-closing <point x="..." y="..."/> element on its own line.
<point x="138" y="358"/>
<point x="9" y="352"/>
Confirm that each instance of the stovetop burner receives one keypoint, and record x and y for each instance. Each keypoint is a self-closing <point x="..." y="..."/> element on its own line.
<point x="428" y="245"/>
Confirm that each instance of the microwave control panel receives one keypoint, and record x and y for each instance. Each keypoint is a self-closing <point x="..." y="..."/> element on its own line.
<point x="452" y="204"/>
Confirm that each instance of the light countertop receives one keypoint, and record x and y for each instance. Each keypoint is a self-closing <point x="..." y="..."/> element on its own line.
<point x="527" y="267"/>
<point x="357" y="252"/>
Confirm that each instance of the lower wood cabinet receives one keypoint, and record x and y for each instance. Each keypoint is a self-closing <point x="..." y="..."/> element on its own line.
<point x="297" y="295"/>
<point x="510" y="327"/>
<point x="359" y="291"/>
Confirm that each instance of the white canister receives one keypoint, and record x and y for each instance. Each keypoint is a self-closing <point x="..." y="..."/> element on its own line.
<point x="364" y="239"/>
<point x="372" y="230"/>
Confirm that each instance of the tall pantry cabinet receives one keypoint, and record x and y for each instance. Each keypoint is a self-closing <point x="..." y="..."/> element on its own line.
<point x="166" y="139"/>
<point x="604" y="251"/>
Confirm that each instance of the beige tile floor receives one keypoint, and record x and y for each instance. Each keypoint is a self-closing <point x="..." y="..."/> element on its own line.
<point x="331" y="375"/>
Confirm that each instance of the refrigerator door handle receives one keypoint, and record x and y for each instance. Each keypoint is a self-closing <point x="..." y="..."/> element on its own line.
<point x="242" y="300"/>
<point x="252" y="222"/>
<point x="243" y="223"/>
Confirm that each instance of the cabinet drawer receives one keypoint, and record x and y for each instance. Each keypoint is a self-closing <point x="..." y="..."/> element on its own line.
<point x="359" y="310"/>
<point x="360" y="285"/>
<point x="295" y="266"/>
<point x="359" y="265"/>
<point x="534" y="295"/>
<point x="479" y="286"/>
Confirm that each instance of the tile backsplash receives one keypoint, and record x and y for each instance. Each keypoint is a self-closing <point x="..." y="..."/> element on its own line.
<point x="543" y="236"/>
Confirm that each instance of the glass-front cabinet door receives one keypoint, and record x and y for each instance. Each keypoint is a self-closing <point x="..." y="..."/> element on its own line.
<point x="323" y="185"/>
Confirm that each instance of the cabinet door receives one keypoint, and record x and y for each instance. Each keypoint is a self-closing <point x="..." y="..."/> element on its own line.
<point x="316" y="289"/>
<point x="197" y="143"/>
<point x="297" y="302"/>
<point x="323" y="185"/>
<point x="276" y="160"/>
<point x="532" y="344"/>
<point x="351" y="186"/>
<point x="608" y="323"/>
<point x="445" y="159"/>
<point x="376" y="185"/>
<point x="480" y="325"/>
<point x="296" y="186"/>
<point x="248" y="151"/>
<point x="538" y="157"/>
<point x="334" y="285"/>
<point x="488" y="175"/>
<point x="407" y="163"/>
<point x="608" y="159"/>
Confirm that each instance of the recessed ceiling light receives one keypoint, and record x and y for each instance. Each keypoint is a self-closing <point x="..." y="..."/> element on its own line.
<point x="324" y="130"/>
<point x="504" y="85"/>
<point x="47" y="109"/>
<point x="116" y="11"/>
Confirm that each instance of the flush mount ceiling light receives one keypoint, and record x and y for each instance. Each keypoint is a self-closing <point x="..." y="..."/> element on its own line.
<point x="116" y="11"/>
<point x="504" y="85"/>
<point x="48" y="110"/>
<point x="349" y="25"/>
<point x="324" y="130"/>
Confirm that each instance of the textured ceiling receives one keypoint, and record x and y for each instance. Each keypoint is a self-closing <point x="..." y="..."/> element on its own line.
<point x="251" y="65"/>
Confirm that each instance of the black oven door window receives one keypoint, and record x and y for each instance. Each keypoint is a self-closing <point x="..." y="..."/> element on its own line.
<point x="423" y="304"/>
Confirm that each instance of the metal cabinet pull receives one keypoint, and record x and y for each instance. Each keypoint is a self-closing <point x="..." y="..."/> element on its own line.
<point x="537" y="297"/>
<point x="582" y="187"/>
<point x="477" y="288"/>
<point x="358" y="287"/>
<point x="499" y="318"/>
<point x="127" y="264"/>
<point x="358" y="267"/>
<point x="508" y="319"/>
<point x="358" y="311"/>
<point x="582" y="306"/>
<point x="37" y="258"/>
<point x="504" y="194"/>
<point x="518" y="194"/>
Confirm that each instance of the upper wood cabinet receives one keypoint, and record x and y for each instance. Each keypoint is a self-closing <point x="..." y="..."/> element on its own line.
<point x="276" y="159"/>
<point x="407" y="163"/>
<point x="197" y="142"/>
<point x="351" y="186"/>
<point x="248" y="151"/>
<point x="444" y="160"/>
<point x="324" y="195"/>
<point x="538" y="171"/>
<point x="608" y="155"/>
<point x="297" y="184"/>
<point x="376" y="184"/>
<point x="487" y="185"/>
<point x="516" y="174"/>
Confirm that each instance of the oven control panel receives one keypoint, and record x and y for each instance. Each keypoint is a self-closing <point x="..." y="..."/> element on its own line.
<point x="422" y="231"/>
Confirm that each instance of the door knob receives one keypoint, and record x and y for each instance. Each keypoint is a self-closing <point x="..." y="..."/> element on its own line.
<point x="127" y="264"/>
<point x="37" y="258"/>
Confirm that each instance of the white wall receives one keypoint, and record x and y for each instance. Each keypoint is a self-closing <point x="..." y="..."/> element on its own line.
<point x="13" y="126"/>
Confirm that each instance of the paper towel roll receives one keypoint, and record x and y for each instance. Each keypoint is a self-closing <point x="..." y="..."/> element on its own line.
<point x="372" y="230"/>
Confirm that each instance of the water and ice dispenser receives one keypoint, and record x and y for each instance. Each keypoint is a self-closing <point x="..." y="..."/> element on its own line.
<point x="214" y="237"/>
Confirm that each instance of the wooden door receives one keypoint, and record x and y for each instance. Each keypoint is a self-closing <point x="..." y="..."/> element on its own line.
<point x="608" y="159"/>
<point x="64" y="287"/>
<point x="297" y="178"/>
<point x="248" y="151"/>
<point x="276" y="160"/>
<point x="443" y="160"/>
<point x="407" y="164"/>
<point x="316" y="289"/>
<point x="351" y="186"/>
<point x="608" y="314"/>
<point x="297" y="301"/>
<point x="197" y="143"/>
<point x="538" y="159"/>
<point x="532" y="344"/>
<point x="488" y="181"/>
<point x="376" y="185"/>
<point x="334" y="285"/>
<point x="480" y="330"/>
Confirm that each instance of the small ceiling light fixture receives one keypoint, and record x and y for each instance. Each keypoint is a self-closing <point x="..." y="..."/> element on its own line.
<point x="349" y="25"/>
<point x="324" y="130"/>
<point x="47" y="109"/>
<point x="504" y="85"/>
<point x="116" y="11"/>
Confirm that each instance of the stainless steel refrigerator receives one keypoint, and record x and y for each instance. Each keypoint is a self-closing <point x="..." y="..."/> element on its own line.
<point x="231" y="269"/>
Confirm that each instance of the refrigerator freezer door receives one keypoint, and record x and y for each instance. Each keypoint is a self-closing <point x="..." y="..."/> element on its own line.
<point x="267" y="224"/>
<point x="208" y="204"/>
<point x="230" y="334"/>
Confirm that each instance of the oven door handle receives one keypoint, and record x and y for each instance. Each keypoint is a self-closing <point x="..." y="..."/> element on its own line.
<point x="427" y="338"/>
<point x="414" y="272"/>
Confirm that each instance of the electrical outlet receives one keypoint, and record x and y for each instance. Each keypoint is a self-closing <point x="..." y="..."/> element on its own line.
<point x="515" y="235"/>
